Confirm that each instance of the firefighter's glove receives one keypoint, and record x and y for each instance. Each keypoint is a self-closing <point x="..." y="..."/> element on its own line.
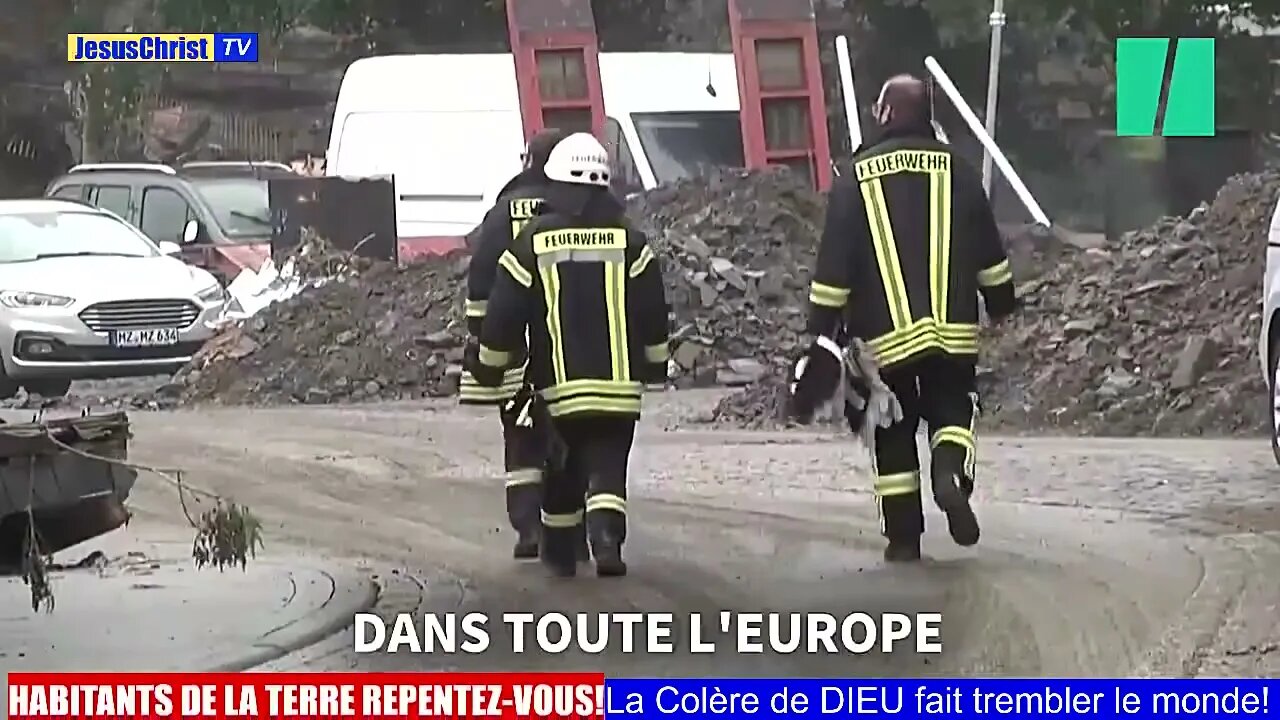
<point x="856" y="402"/>
<point x="483" y="374"/>
<point x="879" y="406"/>
<point x="533" y="417"/>
<point x="654" y="373"/>
<point x="815" y="379"/>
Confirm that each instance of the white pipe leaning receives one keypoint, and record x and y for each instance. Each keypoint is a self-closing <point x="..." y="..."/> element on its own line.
<point x="851" y="117"/>
<point x="970" y="119"/>
<point x="993" y="85"/>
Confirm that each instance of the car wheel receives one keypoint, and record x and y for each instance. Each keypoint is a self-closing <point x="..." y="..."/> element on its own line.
<point x="48" y="388"/>
<point x="1273" y="374"/>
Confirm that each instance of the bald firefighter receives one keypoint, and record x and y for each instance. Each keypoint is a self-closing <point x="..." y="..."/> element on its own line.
<point x="523" y="453"/>
<point x="910" y="244"/>
<point x="586" y="291"/>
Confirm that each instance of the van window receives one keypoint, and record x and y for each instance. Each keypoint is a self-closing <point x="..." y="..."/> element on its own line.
<point x="112" y="197"/>
<point x="686" y="144"/>
<point x="164" y="214"/>
<point x="626" y="179"/>
<point x="74" y="191"/>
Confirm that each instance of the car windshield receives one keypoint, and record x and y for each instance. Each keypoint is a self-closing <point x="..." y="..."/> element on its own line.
<point x="680" y="145"/>
<point x="36" y="236"/>
<point x="240" y="205"/>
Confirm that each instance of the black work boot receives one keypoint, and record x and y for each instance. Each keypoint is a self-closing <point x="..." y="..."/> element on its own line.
<point x="902" y="550"/>
<point x="583" y="550"/>
<point x="951" y="492"/>
<point x="902" y="520"/>
<point x="524" y="511"/>
<point x="526" y="547"/>
<point x="559" y="551"/>
<point x="607" y="529"/>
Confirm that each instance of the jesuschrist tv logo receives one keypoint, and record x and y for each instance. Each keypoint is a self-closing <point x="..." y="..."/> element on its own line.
<point x="1141" y="65"/>
<point x="163" y="47"/>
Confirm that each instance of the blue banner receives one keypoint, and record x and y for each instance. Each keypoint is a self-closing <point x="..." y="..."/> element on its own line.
<point x="235" y="47"/>
<point x="1021" y="699"/>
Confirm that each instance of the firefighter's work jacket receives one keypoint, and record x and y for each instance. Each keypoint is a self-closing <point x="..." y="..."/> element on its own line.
<point x="590" y="295"/>
<point x="516" y="206"/>
<point x="910" y="241"/>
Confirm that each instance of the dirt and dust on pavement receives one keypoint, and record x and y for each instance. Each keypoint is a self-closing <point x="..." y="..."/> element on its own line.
<point x="1099" y="558"/>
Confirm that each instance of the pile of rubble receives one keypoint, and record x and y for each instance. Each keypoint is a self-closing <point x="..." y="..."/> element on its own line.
<point x="371" y="331"/>
<point x="737" y="249"/>
<point x="1155" y="334"/>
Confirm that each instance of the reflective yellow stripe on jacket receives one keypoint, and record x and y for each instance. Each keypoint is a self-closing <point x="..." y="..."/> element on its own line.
<point x="911" y="336"/>
<point x="612" y="390"/>
<point x="471" y="392"/>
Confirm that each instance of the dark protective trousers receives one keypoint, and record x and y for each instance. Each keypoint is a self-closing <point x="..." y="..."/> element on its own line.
<point x="525" y="457"/>
<point x="940" y="391"/>
<point x="592" y="485"/>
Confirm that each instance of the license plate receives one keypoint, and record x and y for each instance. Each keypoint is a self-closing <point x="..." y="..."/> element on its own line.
<point x="155" y="337"/>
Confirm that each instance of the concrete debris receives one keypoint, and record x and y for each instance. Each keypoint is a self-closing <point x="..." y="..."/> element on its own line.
<point x="358" y="330"/>
<point x="737" y="249"/>
<point x="1155" y="334"/>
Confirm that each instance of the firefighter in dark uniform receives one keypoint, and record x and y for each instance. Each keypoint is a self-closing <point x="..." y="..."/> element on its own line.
<point x="523" y="456"/>
<point x="586" y="291"/>
<point x="909" y="245"/>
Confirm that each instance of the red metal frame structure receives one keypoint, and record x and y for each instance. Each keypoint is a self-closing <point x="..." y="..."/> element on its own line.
<point x="557" y="65"/>
<point x="784" y="112"/>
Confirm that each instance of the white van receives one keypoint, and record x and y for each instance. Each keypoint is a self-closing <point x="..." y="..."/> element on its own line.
<point x="448" y="129"/>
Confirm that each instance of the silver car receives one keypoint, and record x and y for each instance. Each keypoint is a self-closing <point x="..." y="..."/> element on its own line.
<point x="85" y="295"/>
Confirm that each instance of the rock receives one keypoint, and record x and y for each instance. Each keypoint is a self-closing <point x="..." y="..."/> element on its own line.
<point x="1117" y="383"/>
<point x="732" y="275"/>
<point x="441" y="339"/>
<point x="1076" y="328"/>
<point x="1197" y="357"/>
<point x="749" y="368"/>
<point x="689" y="355"/>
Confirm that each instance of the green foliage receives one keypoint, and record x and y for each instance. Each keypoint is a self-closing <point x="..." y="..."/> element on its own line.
<point x="271" y="18"/>
<point x="227" y="535"/>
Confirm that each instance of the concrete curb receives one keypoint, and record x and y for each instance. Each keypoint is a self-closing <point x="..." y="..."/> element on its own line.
<point x="106" y="619"/>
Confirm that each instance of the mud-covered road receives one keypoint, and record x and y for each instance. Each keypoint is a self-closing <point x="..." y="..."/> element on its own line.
<point x="1098" y="557"/>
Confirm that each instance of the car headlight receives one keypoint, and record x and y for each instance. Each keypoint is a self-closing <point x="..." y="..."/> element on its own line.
<point x="22" y="299"/>
<point x="212" y="294"/>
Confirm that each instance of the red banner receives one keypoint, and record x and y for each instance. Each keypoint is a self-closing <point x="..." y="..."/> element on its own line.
<point x="310" y="695"/>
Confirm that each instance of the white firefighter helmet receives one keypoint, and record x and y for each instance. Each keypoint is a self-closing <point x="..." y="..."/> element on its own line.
<point x="579" y="159"/>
